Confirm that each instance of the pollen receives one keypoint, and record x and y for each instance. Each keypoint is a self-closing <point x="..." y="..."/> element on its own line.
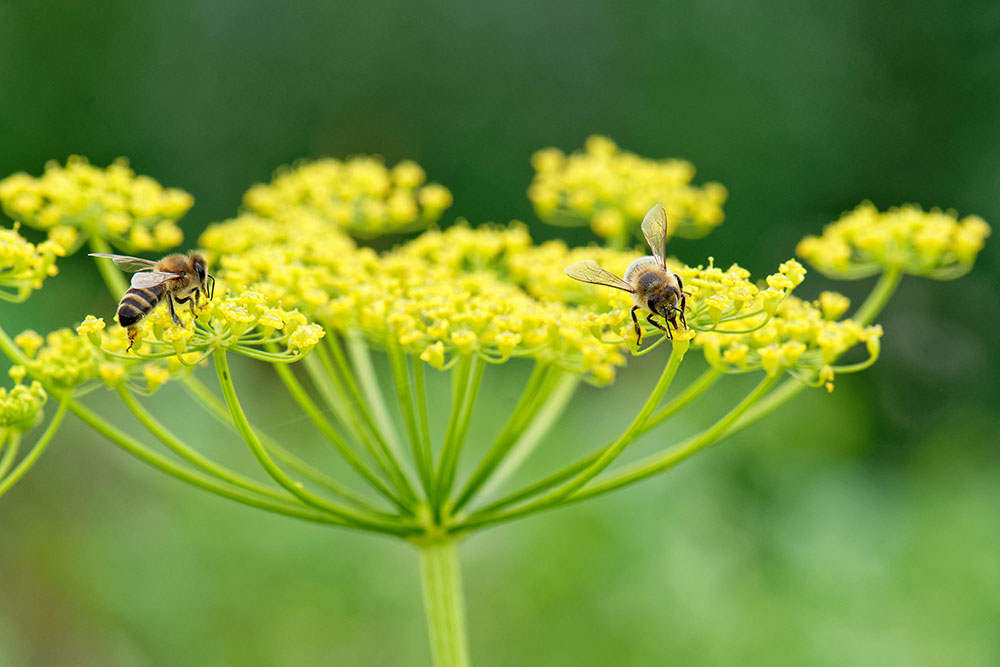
<point x="305" y="337"/>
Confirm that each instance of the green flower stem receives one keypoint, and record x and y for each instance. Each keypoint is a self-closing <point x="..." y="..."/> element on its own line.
<point x="685" y="398"/>
<point x="541" y="485"/>
<point x="444" y="603"/>
<point x="544" y="420"/>
<point x="177" y="446"/>
<point x="784" y="393"/>
<point x="204" y="397"/>
<point x="331" y="434"/>
<point x="527" y="407"/>
<point x="467" y="378"/>
<point x="879" y="296"/>
<point x="361" y="519"/>
<point x="420" y="395"/>
<point x="200" y="480"/>
<point x="267" y="357"/>
<point x="406" y="398"/>
<point x="20" y="296"/>
<point x="333" y="392"/>
<point x="37" y="450"/>
<point x="659" y="463"/>
<point x="12" y="442"/>
<point x="166" y="465"/>
<point x="113" y="278"/>
<point x="603" y="460"/>
<point x="371" y="390"/>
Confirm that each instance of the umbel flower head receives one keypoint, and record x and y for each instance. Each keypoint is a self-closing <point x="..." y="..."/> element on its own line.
<point x="487" y="291"/>
<point x="865" y="241"/>
<point x="21" y="406"/>
<point x="78" y="201"/>
<point x="23" y="265"/>
<point x="61" y="360"/>
<point x="360" y="195"/>
<point x="246" y="323"/>
<point x="611" y="190"/>
<point x="801" y="337"/>
<point x="442" y="295"/>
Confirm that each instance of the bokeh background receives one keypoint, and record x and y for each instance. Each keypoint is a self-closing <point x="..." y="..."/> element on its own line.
<point x="858" y="528"/>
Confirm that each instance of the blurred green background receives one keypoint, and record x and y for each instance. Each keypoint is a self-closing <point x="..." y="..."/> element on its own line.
<point x="858" y="528"/>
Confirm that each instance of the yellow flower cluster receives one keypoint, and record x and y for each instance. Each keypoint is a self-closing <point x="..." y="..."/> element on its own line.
<point x="442" y="294"/>
<point x="20" y="407"/>
<point x="866" y="241"/>
<point x="62" y="360"/>
<point x="485" y="291"/>
<point x="487" y="248"/>
<point x="78" y="200"/>
<point x="714" y="295"/>
<point x="436" y="312"/>
<point x="296" y="260"/>
<point x="611" y="190"/>
<point x="800" y="336"/>
<point x="23" y="265"/>
<point x="360" y="195"/>
<point x="66" y="361"/>
<point x="247" y="323"/>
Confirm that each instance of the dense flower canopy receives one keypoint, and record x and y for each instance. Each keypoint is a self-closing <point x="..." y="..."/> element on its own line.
<point x="866" y="241"/>
<point x="360" y="195"/>
<point x="78" y="201"/>
<point x="611" y="190"/>
<point x="488" y="291"/>
<point x="24" y="265"/>
<point x="289" y="271"/>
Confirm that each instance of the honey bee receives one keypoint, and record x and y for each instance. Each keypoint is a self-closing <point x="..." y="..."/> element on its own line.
<point x="176" y="278"/>
<point x="652" y="286"/>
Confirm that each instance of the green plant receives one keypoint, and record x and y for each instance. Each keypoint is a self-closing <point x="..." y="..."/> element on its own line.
<point x="296" y="291"/>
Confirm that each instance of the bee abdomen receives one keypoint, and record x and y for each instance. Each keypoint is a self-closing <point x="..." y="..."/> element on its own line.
<point x="137" y="303"/>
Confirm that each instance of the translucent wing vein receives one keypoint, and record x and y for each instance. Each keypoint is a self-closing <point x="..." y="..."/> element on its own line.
<point x="589" y="271"/>
<point x="126" y="263"/>
<point x="152" y="278"/>
<point x="654" y="228"/>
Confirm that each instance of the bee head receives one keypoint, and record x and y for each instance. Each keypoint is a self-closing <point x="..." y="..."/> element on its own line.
<point x="206" y="280"/>
<point x="664" y="302"/>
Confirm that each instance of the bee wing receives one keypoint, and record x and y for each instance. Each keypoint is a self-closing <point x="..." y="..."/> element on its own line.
<point x="126" y="263"/>
<point x="589" y="271"/>
<point x="654" y="228"/>
<point x="152" y="278"/>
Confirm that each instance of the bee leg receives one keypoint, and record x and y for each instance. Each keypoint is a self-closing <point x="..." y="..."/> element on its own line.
<point x="191" y="300"/>
<point x="132" y="332"/>
<point x="173" y="313"/>
<point x="683" y="307"/>
<point x="638" y="330"/>
<point x="665" y="329"/>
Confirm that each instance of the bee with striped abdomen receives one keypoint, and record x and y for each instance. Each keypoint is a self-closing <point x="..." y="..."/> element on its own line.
<point x="175" y="278"/>
<point x="647" y="279"/>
